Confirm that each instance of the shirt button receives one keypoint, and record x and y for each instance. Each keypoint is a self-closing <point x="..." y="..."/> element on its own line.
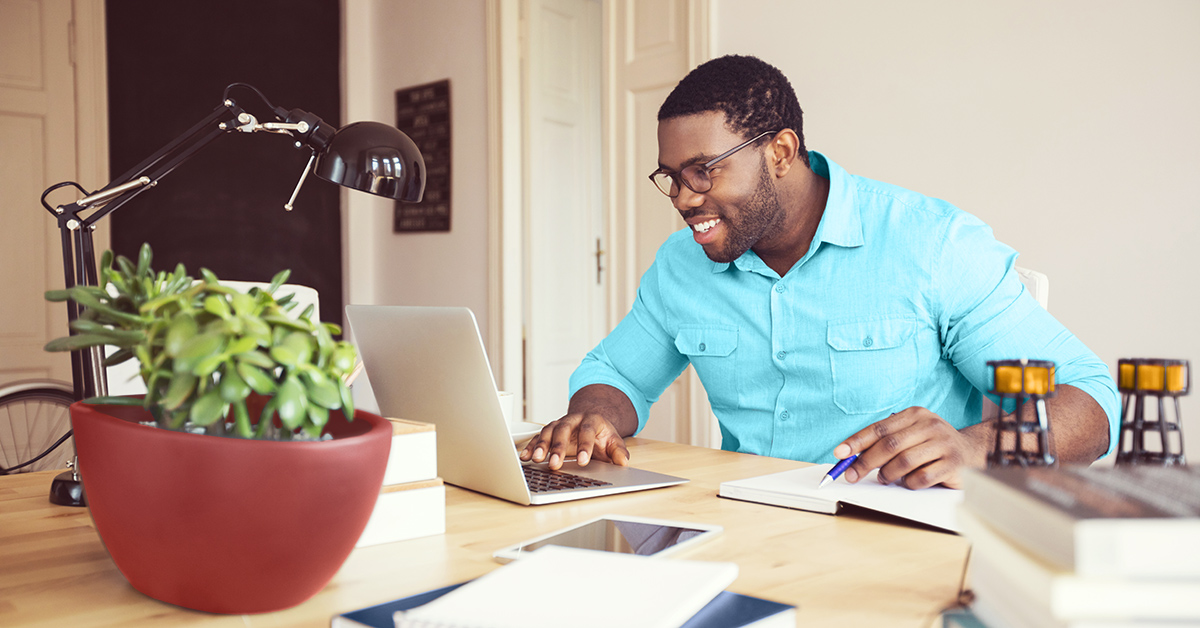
<point x="868" y="341"/>
<point x="702" y="347"/>
<point x="779" y="288"/>
<point x="784" y="415"/>
<point x="781" y="355"/>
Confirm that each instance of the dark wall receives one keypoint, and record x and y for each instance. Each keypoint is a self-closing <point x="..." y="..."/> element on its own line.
<point x="168" y="66"/>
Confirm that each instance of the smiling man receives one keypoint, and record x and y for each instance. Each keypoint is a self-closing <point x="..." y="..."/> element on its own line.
<point x="825" y="313"/>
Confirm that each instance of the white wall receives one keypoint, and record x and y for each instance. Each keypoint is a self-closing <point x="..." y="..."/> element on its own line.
<point x="394" y="44"/>
<point x="1070" y="126"/>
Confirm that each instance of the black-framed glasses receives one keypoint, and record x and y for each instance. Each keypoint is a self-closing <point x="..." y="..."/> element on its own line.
<point x="695" y="176"/>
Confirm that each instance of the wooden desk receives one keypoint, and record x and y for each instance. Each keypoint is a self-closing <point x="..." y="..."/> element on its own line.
<point x="839" y="571"/>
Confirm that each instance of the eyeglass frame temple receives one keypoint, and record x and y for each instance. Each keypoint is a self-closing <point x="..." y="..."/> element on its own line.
<point x="708" y="164"/>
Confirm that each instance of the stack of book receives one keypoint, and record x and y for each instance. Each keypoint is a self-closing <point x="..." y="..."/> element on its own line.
<point x="1083" y="546"/>
<point x="412" y="502"/>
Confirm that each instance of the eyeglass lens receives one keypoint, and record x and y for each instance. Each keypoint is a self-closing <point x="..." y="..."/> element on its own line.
<point x="695" y="176"/>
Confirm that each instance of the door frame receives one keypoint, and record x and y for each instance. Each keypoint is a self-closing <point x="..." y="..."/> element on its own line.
<point x="506" y="241"/>
<point x="86" y="164"/>
<point x="505" y="33"/>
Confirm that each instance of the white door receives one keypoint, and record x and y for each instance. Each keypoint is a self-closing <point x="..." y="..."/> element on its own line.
<point x="654" y="43"/>
<point x="45" y="140"/>
<point x="564" y="307"/>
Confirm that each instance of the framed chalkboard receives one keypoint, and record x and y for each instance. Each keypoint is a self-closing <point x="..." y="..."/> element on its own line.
<point x="423" y="113"/>
<point x="223" y="209"/>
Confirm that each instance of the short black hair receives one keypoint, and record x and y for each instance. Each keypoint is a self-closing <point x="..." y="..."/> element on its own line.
<point x="753" y="94"/>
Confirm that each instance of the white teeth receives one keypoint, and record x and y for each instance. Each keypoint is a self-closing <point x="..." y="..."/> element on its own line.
<point x="705" y="226"/>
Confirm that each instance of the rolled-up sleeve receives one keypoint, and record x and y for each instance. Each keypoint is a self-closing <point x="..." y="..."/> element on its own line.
<point x="638" y="357"/>
<point x="988" y="315"/>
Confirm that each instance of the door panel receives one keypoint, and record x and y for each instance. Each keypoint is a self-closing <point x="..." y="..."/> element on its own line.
<point x="564" y="307"/>
<point x="37" y="131"/>
<point x="653" y="44"/>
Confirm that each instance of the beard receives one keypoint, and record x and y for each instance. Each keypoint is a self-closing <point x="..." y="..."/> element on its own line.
<point x="759" y="214"/>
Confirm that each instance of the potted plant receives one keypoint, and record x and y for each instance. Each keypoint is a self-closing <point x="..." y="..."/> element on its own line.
<point x="258" y="510"/>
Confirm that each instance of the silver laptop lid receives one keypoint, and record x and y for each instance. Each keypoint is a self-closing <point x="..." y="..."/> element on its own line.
<point x="429" y="364"/>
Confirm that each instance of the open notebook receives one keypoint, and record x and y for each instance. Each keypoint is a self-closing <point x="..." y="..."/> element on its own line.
<point x="798" y="489"/>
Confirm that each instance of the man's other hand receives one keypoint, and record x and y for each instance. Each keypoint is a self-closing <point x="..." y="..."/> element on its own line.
<point x="917" y="449"/>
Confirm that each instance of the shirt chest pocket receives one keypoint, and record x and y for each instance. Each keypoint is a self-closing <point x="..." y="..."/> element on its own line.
<point x="712" y="351"/>
<point x="873" y="363"/>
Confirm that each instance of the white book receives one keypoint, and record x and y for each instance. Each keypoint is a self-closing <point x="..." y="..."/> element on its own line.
<point x="557" y="586"/>
<point x="798" y="488"/>
<point x="1004" y="574"/>
<point x="414" y="452"/>
<point x="406" y="511"/>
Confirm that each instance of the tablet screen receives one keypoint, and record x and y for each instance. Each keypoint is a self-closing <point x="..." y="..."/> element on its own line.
<point x="627" y="537"/>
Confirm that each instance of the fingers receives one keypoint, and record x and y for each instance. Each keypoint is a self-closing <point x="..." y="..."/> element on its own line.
<point x="538" y="447"/>
<point x="616" y="451"/>
<point x="915" y="447"/>
<point x="587" y="437"/>
<point x="562" y="444"/>
<point x="861" y="443"/>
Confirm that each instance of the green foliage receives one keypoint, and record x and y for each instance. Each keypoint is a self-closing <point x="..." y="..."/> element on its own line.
<point x="203" y="348"/>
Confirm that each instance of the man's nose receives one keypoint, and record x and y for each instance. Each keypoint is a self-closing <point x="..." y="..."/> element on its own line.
<point x="687" y="199"/>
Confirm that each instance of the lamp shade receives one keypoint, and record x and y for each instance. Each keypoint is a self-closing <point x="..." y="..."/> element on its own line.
<point x="376" y="158"/>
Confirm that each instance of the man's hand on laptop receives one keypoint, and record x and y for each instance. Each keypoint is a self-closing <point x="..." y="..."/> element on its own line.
<point x="594" y="428"/>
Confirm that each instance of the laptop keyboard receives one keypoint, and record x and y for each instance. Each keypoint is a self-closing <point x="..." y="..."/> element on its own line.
<point x="541" y="480"/>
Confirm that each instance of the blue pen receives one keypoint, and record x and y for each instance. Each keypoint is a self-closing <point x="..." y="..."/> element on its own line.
<point x="837" y="470"/>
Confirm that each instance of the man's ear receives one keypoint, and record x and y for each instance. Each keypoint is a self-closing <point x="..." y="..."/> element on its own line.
<point x="783" y="152"/>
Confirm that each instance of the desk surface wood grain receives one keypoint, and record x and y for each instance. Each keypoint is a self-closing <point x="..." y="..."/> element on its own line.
<point x="838" y="571"/>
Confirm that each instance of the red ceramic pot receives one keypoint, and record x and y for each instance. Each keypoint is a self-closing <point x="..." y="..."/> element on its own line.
<point x="227" y="525"/>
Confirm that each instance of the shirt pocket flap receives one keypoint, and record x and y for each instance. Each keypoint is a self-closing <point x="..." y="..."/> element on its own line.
<point x="716" y="342"/>
<point x="870" y="335"/>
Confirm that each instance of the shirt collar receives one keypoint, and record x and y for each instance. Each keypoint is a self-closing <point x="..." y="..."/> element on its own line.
<point x="841" y="223"/>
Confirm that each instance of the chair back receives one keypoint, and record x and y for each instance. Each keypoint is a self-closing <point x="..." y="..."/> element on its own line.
<point x="1038" y="285"/>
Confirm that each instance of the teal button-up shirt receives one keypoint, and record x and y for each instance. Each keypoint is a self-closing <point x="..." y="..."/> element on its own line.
<point x="900" y="301"/>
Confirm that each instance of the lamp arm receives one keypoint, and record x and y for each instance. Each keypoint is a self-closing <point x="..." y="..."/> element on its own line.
<point x="79" y="257"/>
<point x="160" y="164"/>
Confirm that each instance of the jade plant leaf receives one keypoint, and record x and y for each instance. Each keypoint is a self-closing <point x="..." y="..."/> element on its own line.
<point x="293" y="403"/>
<point x="256" y="378"/>
<point x="182" y="385"/>
<point x="207" y="409"/>
<point x="197" y="348"/>
<point x="233" y="387"/>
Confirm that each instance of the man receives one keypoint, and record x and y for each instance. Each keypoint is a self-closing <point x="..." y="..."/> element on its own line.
<point x="826" y="314"/>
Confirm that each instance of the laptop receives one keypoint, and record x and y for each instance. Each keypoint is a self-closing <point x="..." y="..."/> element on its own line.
<point x="428" y="364"/>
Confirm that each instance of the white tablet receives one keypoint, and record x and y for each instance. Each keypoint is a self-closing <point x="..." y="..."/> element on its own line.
<point x="619" y="533"/>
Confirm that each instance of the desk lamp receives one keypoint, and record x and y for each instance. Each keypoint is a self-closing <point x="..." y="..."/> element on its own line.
<point x="369" y="156"/>
<point x="1139" y="378"/>
<point x="1023" y="381"/>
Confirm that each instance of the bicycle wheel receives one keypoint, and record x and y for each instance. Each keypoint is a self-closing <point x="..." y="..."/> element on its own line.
<point x="31" y="421"/>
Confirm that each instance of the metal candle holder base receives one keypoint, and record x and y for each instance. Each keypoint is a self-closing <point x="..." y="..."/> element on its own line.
<point x="1022" y="381"/>
<point x="1137" y="379"/>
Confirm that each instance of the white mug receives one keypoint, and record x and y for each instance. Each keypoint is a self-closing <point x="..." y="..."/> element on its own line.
<point x="508" y="402"/>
